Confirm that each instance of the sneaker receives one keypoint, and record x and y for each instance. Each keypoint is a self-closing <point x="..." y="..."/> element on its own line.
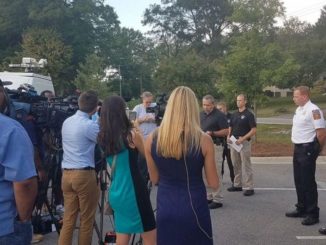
<point x="233" y="189"/>
<point x="214" y="205"/>
<point x="36" y="238"/>
<point x="248" y="192"/>
<point x="209" y="201"/>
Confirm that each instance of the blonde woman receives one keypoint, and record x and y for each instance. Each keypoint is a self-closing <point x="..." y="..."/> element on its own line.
<point x="176" y="153"/>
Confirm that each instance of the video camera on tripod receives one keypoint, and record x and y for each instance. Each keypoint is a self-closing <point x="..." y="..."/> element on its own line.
<point x="47" y="114"/>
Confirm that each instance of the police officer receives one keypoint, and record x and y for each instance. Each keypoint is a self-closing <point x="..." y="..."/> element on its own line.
<point x="243" y="128"/>
<point x="214" y="123"/>
<point x="226" y="149"/>
<point x="308" y="136"/>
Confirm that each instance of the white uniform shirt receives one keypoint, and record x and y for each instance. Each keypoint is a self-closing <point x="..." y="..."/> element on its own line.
<point x="306" y="120"/>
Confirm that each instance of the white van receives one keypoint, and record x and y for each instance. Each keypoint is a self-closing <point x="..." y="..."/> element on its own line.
<point x="39" y="82"/>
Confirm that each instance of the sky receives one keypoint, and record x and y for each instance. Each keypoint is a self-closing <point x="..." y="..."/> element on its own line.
<point x="130" y="12"/>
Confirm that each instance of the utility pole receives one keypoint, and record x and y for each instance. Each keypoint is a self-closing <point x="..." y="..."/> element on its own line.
<point x="120" y="82"/>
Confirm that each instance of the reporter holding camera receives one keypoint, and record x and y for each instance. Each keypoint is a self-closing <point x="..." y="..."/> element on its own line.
<point x="79" y="184"/>
<point x="146" y="123"/>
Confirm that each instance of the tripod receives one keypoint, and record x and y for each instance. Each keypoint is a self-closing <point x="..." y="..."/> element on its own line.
<point x="53" y="177"/>
<point x="103" y="178"/>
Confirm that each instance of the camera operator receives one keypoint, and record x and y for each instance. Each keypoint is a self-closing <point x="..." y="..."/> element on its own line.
<point x="79" y="184"/>
<point x="18" y="184"/>
<point x="47" y="94"/>
<point x="146" y="123"/>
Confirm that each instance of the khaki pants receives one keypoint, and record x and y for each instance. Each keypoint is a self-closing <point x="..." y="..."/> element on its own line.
<point x="240" y="159"/>
<point x="217" y="195"/>
<point x="81" y="193"/>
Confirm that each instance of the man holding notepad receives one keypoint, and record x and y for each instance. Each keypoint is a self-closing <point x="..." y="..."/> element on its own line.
<point x="242" y="128"/>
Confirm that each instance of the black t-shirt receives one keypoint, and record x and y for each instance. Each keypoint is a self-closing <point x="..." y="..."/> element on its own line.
<point x="213" y="121"/>
<point x="242" y="123"/>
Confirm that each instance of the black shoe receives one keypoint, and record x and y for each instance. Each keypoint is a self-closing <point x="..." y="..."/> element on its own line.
<point x="209" y="201"/>
<point x="233" y="189"/>
<point x="295" y="214"/>
<point x="248" y="192"/>
<point x="322" y="230"/>
<point x="310" y="221"/>
<point x="214" y="205"/>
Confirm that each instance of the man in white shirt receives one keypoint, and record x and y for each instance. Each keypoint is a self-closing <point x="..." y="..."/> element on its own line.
<point x="308" y="137"/>
<point x="79" y="184"/>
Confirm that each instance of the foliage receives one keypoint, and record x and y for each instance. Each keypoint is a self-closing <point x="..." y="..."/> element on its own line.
<point x="91" y="76"/>
<point x="253" y="64"/>
<point x="187" y="69"/>
<point x="198" y="23"/>
<point x="256" y="15"/>
<point x="47" y="43"/>
<point x="304" y="42"/>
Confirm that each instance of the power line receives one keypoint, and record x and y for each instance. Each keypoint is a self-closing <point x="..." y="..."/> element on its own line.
<point x="307" y="8"/>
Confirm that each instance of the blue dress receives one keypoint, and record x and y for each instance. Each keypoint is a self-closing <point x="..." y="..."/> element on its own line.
<point x="176" y="220"/>
<point x="128" y="195"/>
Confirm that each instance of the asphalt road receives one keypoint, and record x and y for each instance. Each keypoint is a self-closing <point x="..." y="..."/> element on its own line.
<point x="259" y="219"/>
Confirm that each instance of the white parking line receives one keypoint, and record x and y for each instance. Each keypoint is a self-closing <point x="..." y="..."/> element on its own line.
<point x="311" y="237"/>
<point x="273" y="162"/>
<point x="281" y="189"/>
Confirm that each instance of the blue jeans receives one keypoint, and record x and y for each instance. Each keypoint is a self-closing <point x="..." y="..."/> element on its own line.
<point x="22" y="234"/>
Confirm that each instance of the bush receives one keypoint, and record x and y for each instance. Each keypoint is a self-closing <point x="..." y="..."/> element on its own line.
<point x="281" y="110"/>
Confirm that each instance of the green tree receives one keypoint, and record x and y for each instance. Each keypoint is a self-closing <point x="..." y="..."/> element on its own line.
<point x="91" y="76"/>
<point x="48" y="44"/>
<point x="253" y="64"/>
<point x="187" y="69"/>
<point x="198" y="23"/>
<point x="259" y="15"/>
<point x="305" y="43"/>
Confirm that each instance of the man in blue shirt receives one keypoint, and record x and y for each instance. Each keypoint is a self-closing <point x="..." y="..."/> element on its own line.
<point x="18" y="183"/>
<point x="79" y="185"/>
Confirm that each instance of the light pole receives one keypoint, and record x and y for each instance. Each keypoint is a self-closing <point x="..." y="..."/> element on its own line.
<point x="120" y="82"/>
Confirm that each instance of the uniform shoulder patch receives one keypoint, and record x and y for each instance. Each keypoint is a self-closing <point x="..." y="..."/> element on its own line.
<point x="316" y="114"/>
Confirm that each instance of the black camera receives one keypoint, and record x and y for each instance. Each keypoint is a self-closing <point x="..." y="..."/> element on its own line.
<point x="159" y="109"/>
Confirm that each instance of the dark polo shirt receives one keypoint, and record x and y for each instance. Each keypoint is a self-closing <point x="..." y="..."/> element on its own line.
<point x="242" y="122"/>
<point x="213" y="121"/>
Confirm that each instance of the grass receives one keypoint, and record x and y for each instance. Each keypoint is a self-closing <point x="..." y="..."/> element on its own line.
<point x="280" y="106"/>
<point x="271" y="133"/>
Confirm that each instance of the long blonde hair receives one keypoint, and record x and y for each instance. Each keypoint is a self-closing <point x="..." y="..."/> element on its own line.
<point x="180" y="130"/>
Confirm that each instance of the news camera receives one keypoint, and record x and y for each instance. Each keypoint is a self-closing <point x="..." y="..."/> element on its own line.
<point x="159" y="109"/>
<point x="24" y="101"/>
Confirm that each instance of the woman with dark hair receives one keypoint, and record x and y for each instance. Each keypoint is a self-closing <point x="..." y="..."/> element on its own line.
<point x="128" y="195"/>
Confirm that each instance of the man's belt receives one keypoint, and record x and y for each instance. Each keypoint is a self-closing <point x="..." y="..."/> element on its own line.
<point x="305" y="144"/>
<point x="85" y="168"/>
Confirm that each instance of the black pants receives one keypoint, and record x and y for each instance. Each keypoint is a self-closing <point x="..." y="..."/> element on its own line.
<point x="142" y="165"/>
<point x="227" y="156"/>
<point x="304" y="167"/>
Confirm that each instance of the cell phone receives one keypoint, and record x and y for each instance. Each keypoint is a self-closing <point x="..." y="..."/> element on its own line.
<point x="132" y="115"/>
